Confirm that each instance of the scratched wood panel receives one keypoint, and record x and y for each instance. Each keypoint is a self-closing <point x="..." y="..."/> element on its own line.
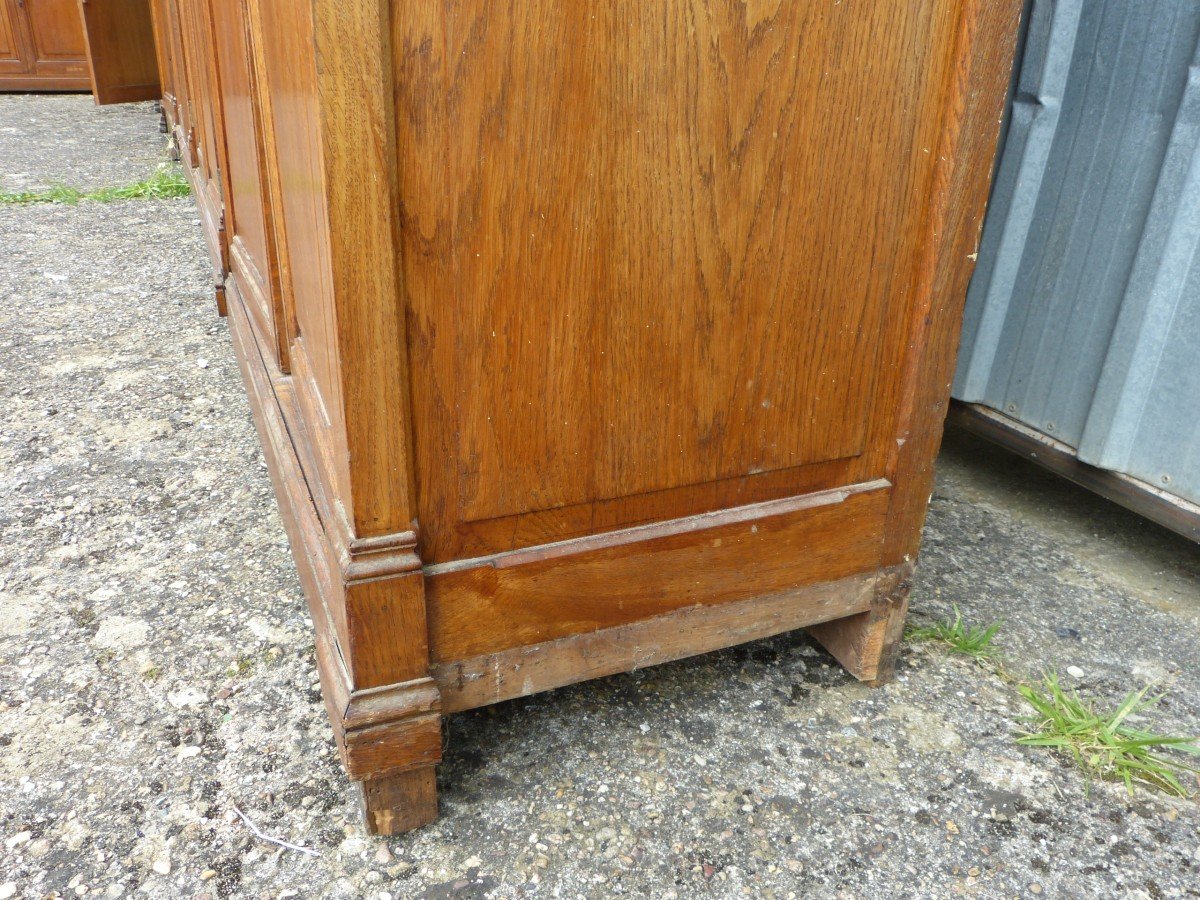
<point x="654" y="245"/>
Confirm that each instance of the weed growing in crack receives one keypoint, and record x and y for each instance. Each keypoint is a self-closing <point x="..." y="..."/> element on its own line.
<point x="1101" y="744"/>
<point x="959" y="637"/>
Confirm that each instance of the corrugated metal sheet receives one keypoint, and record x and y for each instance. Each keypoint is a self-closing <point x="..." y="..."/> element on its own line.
<point x="1083" y="318"/>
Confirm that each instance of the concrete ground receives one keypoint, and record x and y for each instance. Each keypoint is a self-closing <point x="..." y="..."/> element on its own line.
<point x="157" y="672"/>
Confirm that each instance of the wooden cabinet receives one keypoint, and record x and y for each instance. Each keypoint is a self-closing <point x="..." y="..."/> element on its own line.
<point x="121" y="54"/>
<point x="42" y="46"/>
<point x="580" y="338"/>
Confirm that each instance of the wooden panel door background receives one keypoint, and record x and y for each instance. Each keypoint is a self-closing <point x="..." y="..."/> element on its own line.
<point x="168" y="42"/>
<point x="42" y="46"/>
<point x="55" y="31"/>
<point x="200" y="72"/>
<point x="11" y="60"/>
<point x="283" y="40"/>
<point x="655" y="270"/>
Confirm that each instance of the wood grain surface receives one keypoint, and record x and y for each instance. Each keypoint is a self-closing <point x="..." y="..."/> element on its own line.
<point x="657" y="247"/>
<point x="520" y="671"/>
<point x="120" y="49"/>
<point x="532" y="597"/>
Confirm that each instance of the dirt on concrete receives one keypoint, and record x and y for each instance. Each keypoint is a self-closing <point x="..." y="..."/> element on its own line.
<point x="157" y="672"/>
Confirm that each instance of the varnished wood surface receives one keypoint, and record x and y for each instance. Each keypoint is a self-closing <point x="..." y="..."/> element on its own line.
<point x="656" y="249"/>
<point x="11" y="60"/>
<point x="249" y="218"/>
<point x="42" y="46"/>
<point x="284" y="42"/>
<point x="120" y="50"/>
<point x="168" y="43"/>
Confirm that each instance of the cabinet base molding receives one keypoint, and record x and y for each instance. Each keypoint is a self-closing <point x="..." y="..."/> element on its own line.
<point x="389" y="734"/>
<point x="518" y="672"/>
<point x="45" y="83"/>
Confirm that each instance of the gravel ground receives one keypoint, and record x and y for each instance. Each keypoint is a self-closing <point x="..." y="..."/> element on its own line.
<point x="157" y="670"/>
<point x="48" y="139"/>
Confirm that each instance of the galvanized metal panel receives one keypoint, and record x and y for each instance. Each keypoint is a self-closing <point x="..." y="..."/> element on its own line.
<point x="1083" y="319"/>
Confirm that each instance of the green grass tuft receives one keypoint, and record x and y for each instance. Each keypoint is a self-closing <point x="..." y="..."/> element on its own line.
<point x="969" y="640"/>
<point x="166" y="183"/>
<point x="1101" y="744"/>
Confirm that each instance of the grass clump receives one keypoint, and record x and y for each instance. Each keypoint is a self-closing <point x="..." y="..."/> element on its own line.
<point x="166" y="183"/>
<point x="969" y="640"/>
<point x="1101" y="744"/>
<point x="60" y="193"/>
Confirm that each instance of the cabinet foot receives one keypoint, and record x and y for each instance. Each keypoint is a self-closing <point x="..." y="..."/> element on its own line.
<point x="398" y="803"/>
<point x="867" y="644"/>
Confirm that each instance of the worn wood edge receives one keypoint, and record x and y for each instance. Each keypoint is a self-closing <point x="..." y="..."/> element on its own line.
<point x="518" y="672"/>
<point x="867" y="644"/>
<point x="380" y="730"/>
<point x="354" y="98"/>
<point x="488" y="609"/>
<point x="639" y="533"/>
<point x="359" y="559"/>
<point x="1168" y="510"/>
<point x="402" y="745"/>
<point x="984" y="43"/>
<point x="295" y="505"/>
<point x="399" y="802"/>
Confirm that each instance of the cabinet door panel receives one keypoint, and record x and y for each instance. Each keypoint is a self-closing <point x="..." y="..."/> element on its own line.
<point x="252" y="257"/>
<point x="12" y="61"/>
<point x="55" y="29"/>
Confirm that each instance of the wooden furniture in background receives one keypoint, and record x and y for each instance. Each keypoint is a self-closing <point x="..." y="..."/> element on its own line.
<point x="581" y="339"/>
<point x="120" y="50"/>
<point x="42" y="46"/>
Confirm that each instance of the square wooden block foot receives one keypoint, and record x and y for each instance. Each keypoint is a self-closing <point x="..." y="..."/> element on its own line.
<point x="398" y="803"/>
<point x="867" y="644"/>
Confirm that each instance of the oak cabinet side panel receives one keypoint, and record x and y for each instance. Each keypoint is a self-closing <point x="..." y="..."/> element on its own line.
<point x="657" y="250"/>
